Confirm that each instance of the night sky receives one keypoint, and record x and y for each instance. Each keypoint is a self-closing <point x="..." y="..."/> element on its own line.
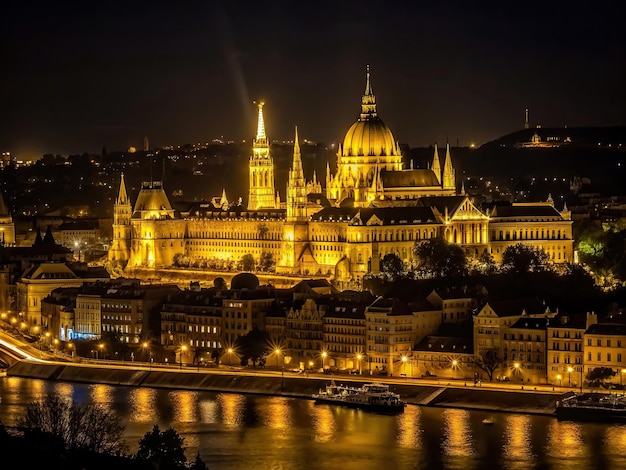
<point x="82" y="76"/>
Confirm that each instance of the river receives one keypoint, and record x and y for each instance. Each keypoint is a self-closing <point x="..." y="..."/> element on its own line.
<point x="242" y="432"/>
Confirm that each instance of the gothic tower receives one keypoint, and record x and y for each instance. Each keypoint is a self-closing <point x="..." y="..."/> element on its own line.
<point x="262" y="194"/>
<point x="122" y="211"/>
<point x="448" y="171"/>
<point x="296" y="187"/>
<point x="295" y="229"/>
<point x="436" y="166"/>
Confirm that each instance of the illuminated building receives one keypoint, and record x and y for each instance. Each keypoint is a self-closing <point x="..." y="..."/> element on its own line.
<point x="371" y="206"/>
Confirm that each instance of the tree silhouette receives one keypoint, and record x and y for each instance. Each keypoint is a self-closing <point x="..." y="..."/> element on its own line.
<point x="520" y="258"/>
<point x="164" y="449"/>
<point x="437" y="258"/>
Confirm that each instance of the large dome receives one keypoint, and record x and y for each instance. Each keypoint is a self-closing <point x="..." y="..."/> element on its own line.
<point x="369" y="137"/>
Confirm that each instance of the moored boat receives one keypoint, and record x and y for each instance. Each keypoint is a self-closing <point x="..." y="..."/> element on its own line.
<point x="372" y="396"/>
<point x="600" y="407"/>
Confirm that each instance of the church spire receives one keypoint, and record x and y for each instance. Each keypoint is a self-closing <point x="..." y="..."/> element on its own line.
<point x="448" y="171"/>
<point x="260" y="130"/>
<point x="436" y="166"/>
<point x="296" y="188"/>
<point x="368" y="101"/>
<point x="122" y="197"/>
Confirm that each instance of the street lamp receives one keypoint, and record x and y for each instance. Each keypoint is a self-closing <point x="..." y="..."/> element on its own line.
<point x="230" y="352"/>
<point x="282" y="372"/>
<point x="359" y="357"/>
<point x="623" y="371"/>
<point x="518" y="371"/>
<point x="558" y="377"/>
<point x="324" y="354"/>
<point x="183" y="348"/>
<point x="569" y="369"/>
<point x="404" y="359"/>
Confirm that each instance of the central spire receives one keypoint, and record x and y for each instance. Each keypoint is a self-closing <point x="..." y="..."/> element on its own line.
<point x="368" y="101"/>
<point x="260" y="131"/>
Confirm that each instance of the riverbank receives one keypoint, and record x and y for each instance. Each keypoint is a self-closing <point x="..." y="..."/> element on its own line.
<point x="290" y="385"/>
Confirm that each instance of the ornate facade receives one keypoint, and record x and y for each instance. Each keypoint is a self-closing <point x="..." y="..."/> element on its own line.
<point x="371" y="206"/>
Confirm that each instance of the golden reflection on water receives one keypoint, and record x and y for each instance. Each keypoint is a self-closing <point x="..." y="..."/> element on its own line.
<point x="565" y="441"/>
<point x="184" y="406"/>
<point x="457" y="435"/>
<point x="64" y="390"/>
<point x="409" y="430"/>
<point x="232" y="408"/>
<point x="208" y="411"/>
<point x="276" y="414"/>
<point x="322" y="422"/>
<point x="615" y="444"/>
<point x="517" y="438"/>
<point x="101" y="394"/>
<point x="142" y="408"/>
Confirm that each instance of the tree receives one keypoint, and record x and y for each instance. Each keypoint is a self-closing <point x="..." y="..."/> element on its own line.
<point x="87" y="428"/>
<point x="488" y="361"/>
<point x="392" y="265"/>
<point x="247" y="262"/>
<point x="164" y="449"/>
<point x="436" y="257"/>
<point x="520" y="258"/>
<point x="484" y="264"/>
<point x="198" y="464"/>
<point x="254" y="346"/>
<point x="599" y="375"/>
<point x="266" y="261"/>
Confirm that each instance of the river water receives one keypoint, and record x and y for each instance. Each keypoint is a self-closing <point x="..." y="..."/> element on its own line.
<point x="244" y="432"/>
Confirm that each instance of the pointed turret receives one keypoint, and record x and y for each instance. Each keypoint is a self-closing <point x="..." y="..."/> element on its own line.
<point x="224" y="200"/>
<point x="261" y="191"/>
<point x="48" y="239"/>
<point x="122" y="196"/>
<point x="448" y="171"/>
<point x="260" y="129"/>
<point x="368" y="101"/>
<point x="296" y="187"/>
<point x="462" y="188"/>
<point x="38" y="239"/>
<point x="436" y="166"/>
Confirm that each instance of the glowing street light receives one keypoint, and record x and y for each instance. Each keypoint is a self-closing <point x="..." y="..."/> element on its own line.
<point x="569" y="370"/>
<point x="623" y="371"/>
<point x="404" y="359"/>
<point x="558" y="377"/>
<point x="324" y="354"/>
<point x="230" y="352"/>
<point x="359" y="357"/>
<point x="183" y="348"/>
<point x="282" y="371"/>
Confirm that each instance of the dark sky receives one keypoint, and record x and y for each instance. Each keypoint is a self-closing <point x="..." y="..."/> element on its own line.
<point x="80" y="76"/>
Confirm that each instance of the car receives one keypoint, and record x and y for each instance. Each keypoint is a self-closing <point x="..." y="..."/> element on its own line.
<point x="503" y="378"/>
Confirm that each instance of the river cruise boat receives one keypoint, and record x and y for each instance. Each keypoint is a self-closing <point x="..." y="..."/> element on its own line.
<point x="372" y="396"/>
<point x="600" y="407"/>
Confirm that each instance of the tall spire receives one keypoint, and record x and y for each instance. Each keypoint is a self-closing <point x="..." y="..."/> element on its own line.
<point x="122" y="197"/>
<point x="296" y="188"/>
<point x="436" y="166"/>
<point x="260" y="131"/>
<point x="368" y="101"/>
<point x="448" y="171"/>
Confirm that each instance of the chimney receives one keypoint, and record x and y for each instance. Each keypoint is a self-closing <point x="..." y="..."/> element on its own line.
<point x="592" y="319"/>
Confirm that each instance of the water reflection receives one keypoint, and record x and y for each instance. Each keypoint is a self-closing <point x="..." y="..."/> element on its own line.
<point x="409" y="430"/>
<point x="184" y="406"/>
<point x="276" y="414"/>
<point x="458" y="443"/>
<point x="101" y="394"/>
<point x="517" y="443"/>
<point x="233" y="407"/>
<point x="323" y="423"/>
<point x="566" y="446"/>
<point x="615" y="444"/>
<point x="142" y="409"/>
